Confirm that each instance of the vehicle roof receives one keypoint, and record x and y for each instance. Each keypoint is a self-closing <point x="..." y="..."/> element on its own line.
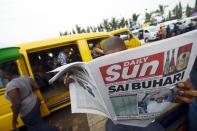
<point x="61" y="39"/>
<point x="135" y="31"/>
<point x="119" y="30"/>
<point x="150" y="27"/>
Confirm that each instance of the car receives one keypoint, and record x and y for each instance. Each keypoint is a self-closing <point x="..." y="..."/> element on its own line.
<point x="150" y="33"/>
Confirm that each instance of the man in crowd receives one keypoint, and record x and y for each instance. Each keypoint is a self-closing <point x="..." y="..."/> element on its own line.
<point x="113" y="45"/>
<point x="116" y="44"/>
<point x="62" y="58"/>
<point x="19" y="91"/>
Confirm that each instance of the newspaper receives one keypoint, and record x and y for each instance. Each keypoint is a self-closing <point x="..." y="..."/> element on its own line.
<point x="134" y="86"/>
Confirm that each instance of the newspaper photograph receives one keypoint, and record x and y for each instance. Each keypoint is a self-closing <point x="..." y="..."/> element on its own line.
<point x="132" y="86"/>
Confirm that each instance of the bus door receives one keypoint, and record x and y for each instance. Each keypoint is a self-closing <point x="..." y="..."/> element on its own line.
<point x="41" y="61"/>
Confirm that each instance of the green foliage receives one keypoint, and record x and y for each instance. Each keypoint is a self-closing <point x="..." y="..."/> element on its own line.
<point x="113" y="24"/>
<point x="195" y="7"/>
<point x="169" y="15"/>
<point x="78" y="29"/>
<point x="116" y="23"/>
<point x="106" y="25"/>
<point x="188" y="10"/>
<point x="135" y="17"/>
<point x="147" y="17"/>
<point x="180" y="10"/>
<point x="176" y="11"/>
<point x="161" y="10"/>
<point x="122" y="23"/>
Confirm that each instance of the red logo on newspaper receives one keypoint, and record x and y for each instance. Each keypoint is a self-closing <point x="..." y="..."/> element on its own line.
<point x="144" y="67"/>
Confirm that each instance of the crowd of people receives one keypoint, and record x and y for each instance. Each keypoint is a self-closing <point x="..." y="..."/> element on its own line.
<point x="177" y="28"/>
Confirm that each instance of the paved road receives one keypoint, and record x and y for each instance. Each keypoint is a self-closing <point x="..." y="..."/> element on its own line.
<point x="69" y="121"/>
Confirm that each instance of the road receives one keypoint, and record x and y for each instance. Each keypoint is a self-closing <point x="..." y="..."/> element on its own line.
<point x="67" y="120"/>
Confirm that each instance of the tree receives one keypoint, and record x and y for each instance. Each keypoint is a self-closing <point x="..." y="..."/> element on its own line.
<point x="126" y="23"/>
<point x="180" y="11"/>
<point x="188" y="10"/>
<point x="88" y="29"/>
<point x="113" y="24"/>
<point x="135" y="17"/>
<point x="93" y="29"/>
<point x="176" y="11"/>
<point x="122" y="23"/>
<point x="130" y="22"/>
<point x="61" y="34"/>
<point x="73" y="31"/>
<point x="101" y="27"/>
<point x="195" y="7"/>
<point x="169" y="15"/>
<point x="106" y="25"/>
<point x="83" y="31"/>
<point x="78" y="29"/>
<point x="161" y="11"/>
<point x="147" y="17"/>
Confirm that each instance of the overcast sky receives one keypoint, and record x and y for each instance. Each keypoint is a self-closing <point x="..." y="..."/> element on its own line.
<point x="29" y="20"/>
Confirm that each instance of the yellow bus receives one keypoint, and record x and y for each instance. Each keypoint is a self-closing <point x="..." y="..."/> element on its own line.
<point x="36" y="58"/>
<point x="131" y="41"/>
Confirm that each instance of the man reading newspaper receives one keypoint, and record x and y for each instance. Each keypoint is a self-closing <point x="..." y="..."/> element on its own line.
<point x="184" y="97"/>
<point x="132" y="101"/>
<point x="151" y="100"/>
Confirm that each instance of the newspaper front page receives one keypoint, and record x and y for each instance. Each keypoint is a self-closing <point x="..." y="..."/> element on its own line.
<point x="134" y="86"/>
<point x="139" y="83"/>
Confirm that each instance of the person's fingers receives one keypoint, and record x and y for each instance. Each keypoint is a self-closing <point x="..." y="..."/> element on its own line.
<point x="68" y="80"/>
<point x="188" y="93"/>
<point x="181" y="99"/>
<point x="184" y="85"/>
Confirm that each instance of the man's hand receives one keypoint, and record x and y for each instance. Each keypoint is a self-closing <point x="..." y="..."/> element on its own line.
<point x="186" y="93"/>
<point x="68" y="79"/>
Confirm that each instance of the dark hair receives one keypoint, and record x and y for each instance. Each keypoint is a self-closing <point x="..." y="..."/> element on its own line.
<point x="113" y="43"/>
<point x="10" y="68"/>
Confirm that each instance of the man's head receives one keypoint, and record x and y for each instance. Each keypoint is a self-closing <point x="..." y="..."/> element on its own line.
<point x="66" y="50"/>
<point x="113" y="44"/>
<point x="9" y="71"/>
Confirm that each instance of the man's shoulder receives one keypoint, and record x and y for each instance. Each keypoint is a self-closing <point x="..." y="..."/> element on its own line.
<point x="22" y="78"/>
<point x="18" y="79"/>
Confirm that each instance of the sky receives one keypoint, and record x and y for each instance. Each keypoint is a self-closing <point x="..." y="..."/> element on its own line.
<point x="30" y="20"/>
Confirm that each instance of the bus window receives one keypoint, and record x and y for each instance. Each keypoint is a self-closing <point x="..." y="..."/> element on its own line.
<point x="46" y="60"/>
<point x="95" y="47"/>
<point x="124" y="35"/>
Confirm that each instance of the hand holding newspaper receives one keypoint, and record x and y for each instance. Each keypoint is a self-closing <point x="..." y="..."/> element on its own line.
<point x="134" y="86"/>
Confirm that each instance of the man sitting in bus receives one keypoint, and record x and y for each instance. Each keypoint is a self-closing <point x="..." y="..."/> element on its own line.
<point x="62" y="58"/>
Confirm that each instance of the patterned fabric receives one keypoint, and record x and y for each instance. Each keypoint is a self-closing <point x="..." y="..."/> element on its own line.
<point x="62" y="58"/>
